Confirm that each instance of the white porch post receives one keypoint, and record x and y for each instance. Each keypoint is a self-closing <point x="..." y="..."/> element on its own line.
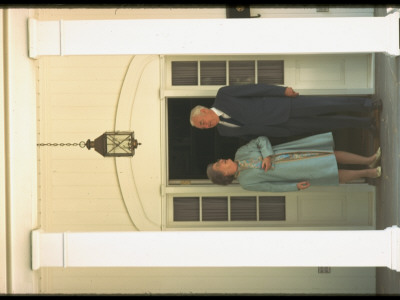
<point x="215" y="36"/>
<point x="364" y="248"/>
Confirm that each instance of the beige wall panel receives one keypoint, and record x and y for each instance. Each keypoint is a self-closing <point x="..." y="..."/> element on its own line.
<point x="346" y="209"/>
<point x="84" y="166"/>
<point x="82" y="73"/>
<point x="74" y="154"/>
<point x="207" y="280"/>
<point x="67" y="113"/>
<point x="138" y="109"/>
<point x="94" y="220"/>
<point x="146" y="124"/>
<point x="79" y="189"/>
<point x="70" y="87"/>
<point x="86" y="205"/>
<point x="92" y="61"/>
<point x="96" y="193"/>
<point x="80" y="129"/>
<point x="82" y="179"/>
<point x="361" y="209"/>
<point x="78" y="100"/>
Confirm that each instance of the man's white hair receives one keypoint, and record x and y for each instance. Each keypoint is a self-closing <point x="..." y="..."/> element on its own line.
<point x="196" y="111"/>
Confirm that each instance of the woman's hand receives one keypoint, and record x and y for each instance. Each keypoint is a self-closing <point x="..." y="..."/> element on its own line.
<point x="303" y="185"/>
<point x="266" y="163"/>
<point x="289" y="92"/>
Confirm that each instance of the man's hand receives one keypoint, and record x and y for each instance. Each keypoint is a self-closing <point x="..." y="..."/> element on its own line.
<point x="303" y="185"/>
<point x="266" y="163"/>
<point x="289" y="92"/>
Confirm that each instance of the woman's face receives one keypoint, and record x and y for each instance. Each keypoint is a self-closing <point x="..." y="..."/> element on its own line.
<point x="225" y="166"/>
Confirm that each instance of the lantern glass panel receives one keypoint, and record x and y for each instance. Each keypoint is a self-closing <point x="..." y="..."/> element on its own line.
<point x="119" y="144"/>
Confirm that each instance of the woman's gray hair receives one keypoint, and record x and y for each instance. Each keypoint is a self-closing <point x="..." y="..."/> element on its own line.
<point x="196" y="111"/>
<point x="217" y="177"/>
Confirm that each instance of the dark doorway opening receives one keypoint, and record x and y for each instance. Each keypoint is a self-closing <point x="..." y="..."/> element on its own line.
<point x="190" y="149"/>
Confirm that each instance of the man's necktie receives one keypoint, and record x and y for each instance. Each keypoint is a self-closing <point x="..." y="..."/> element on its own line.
<point x="230" y="121"/>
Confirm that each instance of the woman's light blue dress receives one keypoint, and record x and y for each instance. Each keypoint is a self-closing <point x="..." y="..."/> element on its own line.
<point x="308" y="159"/>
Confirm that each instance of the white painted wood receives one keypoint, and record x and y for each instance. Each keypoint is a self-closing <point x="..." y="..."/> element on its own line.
<point x="390" y="10"/>
<point x="237" y="190"/>
<point x="354" y="205"/>
<point x="44" y="38"/>
<point x="3" y="181"/>
<point x="366" y="248"/>
<point x="330" y="210"/>
<point x="230" y="36"/>
<point x="50" y="253"/>
<point x="323" y="74"/>
<point x="21" y="150"/>
<point x="330" y="74"/>
<point x="139" y="177"/>
<point x="83" y="96"/>
<point x="78" y="187"/>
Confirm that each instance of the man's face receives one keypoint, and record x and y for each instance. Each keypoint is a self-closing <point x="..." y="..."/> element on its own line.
<point x="207" y="119"/>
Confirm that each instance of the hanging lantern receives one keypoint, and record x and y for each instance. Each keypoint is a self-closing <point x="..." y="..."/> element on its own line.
<point x="114" y="144"/>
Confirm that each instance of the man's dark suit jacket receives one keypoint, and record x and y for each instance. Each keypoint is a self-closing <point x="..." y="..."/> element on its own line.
<point x="264" y="110"/>
<point x="259" y="107"/>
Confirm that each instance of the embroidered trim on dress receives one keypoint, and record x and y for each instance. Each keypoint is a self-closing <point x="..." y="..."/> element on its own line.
<point x="253" y="163"/>
<point x="256" y="163"/>
<point x="285" y="157"/>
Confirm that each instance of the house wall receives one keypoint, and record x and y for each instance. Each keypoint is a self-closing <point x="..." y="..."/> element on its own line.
<point x="19" y="188"/>
<point x="78" y="98"/>
<point x="3" y="239"/>
<point x="77" y="101"/>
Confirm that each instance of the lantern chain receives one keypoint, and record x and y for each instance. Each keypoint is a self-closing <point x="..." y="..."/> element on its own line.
<point x="81" y="144"/>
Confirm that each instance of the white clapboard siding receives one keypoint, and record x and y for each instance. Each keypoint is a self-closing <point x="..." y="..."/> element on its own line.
<point x="77" y="101"/>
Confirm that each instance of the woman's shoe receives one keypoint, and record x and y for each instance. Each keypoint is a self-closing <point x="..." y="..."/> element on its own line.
<point x="377" y="158"/>
<point x="378" y="171"/>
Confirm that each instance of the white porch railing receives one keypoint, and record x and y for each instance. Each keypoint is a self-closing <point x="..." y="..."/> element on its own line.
<point x="342" y="248"/>
<point x="229" y="36"/>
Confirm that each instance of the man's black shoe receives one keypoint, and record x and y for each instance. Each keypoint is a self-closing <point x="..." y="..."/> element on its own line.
<point x="377" y="104"/>
<point x="373" y="129"/>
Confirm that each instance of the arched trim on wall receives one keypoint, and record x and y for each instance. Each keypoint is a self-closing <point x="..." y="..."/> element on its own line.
<point x="123" y="121"/>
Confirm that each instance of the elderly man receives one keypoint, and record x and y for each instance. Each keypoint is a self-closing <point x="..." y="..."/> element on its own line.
<point x="277" y="111"/>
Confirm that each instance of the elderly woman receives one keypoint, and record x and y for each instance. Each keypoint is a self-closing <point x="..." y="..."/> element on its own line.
<point x="291" y="166"/>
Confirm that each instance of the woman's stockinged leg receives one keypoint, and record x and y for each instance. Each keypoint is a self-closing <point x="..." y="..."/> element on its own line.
<point x="349" y="175"/>
<point x="344" y="157"/>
